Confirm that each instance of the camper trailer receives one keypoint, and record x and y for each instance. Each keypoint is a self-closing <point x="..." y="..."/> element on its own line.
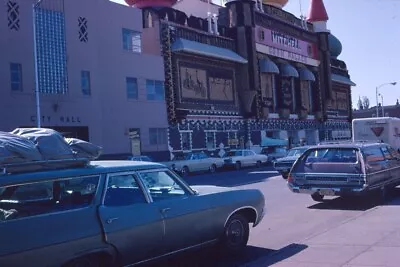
<point x="384" y="129"/>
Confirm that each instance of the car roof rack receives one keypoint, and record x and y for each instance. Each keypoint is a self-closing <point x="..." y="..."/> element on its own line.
<point x="42" y="165"/>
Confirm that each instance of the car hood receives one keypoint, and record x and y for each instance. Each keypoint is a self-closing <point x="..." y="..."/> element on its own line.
<point x="292" y="158"/>
<point x="209" y="189"/>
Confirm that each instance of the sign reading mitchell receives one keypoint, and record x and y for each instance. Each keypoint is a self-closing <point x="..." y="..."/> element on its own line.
<point x="285" y="40"/>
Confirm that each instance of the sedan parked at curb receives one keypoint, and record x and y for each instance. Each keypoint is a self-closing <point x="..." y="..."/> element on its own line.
<point x="195" y="162"/>
<point x="244" y="158"/>
<point x="284" y="164"/>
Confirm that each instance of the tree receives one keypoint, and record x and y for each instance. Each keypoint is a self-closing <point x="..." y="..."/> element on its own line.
<point x="360" y="103"/>
<point x="365" y="102"/>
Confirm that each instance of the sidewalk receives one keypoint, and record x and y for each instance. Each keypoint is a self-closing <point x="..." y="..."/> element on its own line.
<point x="371" y="239"/>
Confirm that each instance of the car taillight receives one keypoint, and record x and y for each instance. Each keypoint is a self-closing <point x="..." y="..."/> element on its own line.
<point x="290" y="178"/>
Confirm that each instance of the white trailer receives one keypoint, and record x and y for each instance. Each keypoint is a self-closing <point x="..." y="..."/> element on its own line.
<point x="384" y="129"/>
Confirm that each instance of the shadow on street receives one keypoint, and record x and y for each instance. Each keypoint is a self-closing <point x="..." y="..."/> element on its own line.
<point x="210" y="257"/>
<point x="233" y="178"/>
<point x="361" y="203"/>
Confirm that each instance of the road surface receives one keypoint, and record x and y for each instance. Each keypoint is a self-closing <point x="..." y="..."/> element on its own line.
<point x="292" y="221"/>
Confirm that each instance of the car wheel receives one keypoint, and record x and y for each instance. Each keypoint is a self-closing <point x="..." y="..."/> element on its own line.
<point x="238" y="165"/>
<point x="317" y="197"/>
<point x="258" y="164"/>
<point x="89" y="261"/>
<point x="185" y="171"/>
<point x="285" y="175"/>
<point x="236" y="234"/>
<point x="213" y="168"/>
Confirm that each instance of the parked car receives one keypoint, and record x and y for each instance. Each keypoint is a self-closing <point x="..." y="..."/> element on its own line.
<point x="244" y="158"/>
<point x="345" y="169"/>
<point x="284" y="164"/>
<point x="140" y="158"/>
<point x="117" y="213"/>
<point x="195" y="162"/>
<point x="274" y="152"/>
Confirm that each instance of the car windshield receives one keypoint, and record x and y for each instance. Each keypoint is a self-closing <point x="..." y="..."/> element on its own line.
<point x="296" y="152"/>
<point x="341" y="155"/>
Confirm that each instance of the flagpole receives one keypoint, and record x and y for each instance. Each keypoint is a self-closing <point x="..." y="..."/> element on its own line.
<point x="37" y="93"/>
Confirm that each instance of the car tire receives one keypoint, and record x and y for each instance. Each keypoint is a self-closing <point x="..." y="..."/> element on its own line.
<point x="238" y="165"/>
<point x="285" y="176"/>
<point x="185" y="171"/>
<point x="213" y="168"/>
<point x="258" y="164"/>
<point x="88" y="261"/>
<point x="317" y="197"/>
<point x="236" y="234"/>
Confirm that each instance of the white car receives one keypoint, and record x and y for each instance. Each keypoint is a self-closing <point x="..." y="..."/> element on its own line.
<point x="244" y="158"/>
<point x="195" y="162"/>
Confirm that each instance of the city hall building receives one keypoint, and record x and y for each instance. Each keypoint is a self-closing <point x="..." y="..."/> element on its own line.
<point x="96" y="80"/>
<point x="248" y="74"/>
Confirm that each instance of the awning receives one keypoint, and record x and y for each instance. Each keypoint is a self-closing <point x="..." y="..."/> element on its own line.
<point x="342" y="79"/>
<point x="287" y="70"/>
<point x="267" y="141"/>
<point x="268" y="66"/>
<point x="183" y="45"/>
<point x="306" y="75"/>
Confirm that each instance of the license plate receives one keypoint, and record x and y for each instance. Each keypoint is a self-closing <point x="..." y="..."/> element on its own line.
<point x="327" y="192"/>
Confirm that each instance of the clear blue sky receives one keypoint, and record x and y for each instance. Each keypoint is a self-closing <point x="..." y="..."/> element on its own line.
<point x="370" y="34"/>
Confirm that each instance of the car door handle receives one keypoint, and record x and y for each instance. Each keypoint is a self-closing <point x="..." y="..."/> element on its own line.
<point x="110" y="221"/>
<point x="164" y="210"/>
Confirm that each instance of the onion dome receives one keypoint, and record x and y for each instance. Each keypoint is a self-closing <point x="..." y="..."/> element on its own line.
<point x="317" y="11"/>
<point x="276" y="3"/>
<point x="335" y="46"/>
<point x="150" y="3"/>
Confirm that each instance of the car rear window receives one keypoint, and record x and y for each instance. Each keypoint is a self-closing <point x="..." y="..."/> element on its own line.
<point x="337" y="155"/>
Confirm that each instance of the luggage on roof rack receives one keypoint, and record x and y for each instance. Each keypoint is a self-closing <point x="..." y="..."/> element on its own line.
<point x="37" y="149"/>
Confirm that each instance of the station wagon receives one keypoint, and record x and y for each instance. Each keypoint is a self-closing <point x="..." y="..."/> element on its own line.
<point x="117" y="213"/>
<point x="345" y="169"/>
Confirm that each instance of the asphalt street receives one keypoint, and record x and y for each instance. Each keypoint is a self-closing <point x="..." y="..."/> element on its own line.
<point x="290" y="221"/>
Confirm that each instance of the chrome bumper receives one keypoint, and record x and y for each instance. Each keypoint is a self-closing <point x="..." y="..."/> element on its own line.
<point x="337" y="190"/>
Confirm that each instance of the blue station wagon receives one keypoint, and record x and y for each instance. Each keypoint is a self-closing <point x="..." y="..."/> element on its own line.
<point x="117" y="213"/>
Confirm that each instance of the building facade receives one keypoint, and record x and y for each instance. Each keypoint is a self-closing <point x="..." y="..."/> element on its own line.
<point x="96" y="79"/>
<point x="250" y="76"/>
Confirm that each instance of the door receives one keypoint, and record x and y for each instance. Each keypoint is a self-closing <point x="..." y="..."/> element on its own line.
<point x="204" y="161"/>
<point x="131" y="222"/>
<point x="187" y="216"/>
<point x="249" y="158"/>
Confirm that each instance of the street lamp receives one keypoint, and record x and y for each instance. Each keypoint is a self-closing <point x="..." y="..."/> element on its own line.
<point x="377" y="108"/>
<point x="383" y="110"/>
<point x="37" y="93"/>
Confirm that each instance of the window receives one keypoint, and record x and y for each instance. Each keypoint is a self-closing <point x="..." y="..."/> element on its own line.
<point x="306" y="95"/>
<point x="155" y="90"/>
<point x="33" y="199"/>
<point x="268" y="89"/>
<point x="332" y="155"/>
<point x="123" y="190"/>
<point x="158" y="136"/>
<point x="85" y="82"/>
<point x="186" y="141"/>
<point x="162" y="185"/>
<point x="83" y="29"/>
<point x="373" y="154"/>
<point x="210" y="140"/>
<point x="16" y="76"/>
<point x="132" y="40"/>
<point x="131" y="88"/>
<point x="13" y="15"/>
<point x="387" y="153"/>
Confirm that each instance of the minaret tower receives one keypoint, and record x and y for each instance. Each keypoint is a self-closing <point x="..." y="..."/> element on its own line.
<point x="318" y="17"/>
